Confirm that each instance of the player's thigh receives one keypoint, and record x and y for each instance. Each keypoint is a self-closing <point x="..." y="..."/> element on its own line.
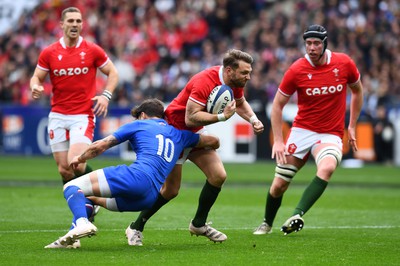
<point x="88" y="184"/>
<point x="172" y="184"/>
<point x="210" y="163"/>
<point x="174" y="178"/>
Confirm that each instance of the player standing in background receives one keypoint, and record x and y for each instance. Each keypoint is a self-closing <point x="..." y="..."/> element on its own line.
<point x="188" y="111"/>
<point x="129" y="188"/>
<point x="320" y="80"/>
<point x="72" y="65"/>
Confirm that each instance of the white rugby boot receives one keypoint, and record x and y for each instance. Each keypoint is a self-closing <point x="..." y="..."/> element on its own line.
<point x="134" y="237"/>
<point x="263" y="229"/>
<point x="293" y="224"/>
<point x="57" y="244"/>
<point x="207" y="231"/>
<point x="82" y="229"/>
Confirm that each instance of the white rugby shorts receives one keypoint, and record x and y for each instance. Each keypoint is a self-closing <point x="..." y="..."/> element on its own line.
<point x="302" y="142"/>
<point x="64" y="130"/>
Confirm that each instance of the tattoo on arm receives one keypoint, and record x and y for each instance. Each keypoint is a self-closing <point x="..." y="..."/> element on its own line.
<point x="98" y="147"/>
<point x="111" y="140"/>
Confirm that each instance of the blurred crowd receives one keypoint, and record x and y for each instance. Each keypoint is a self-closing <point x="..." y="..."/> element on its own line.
<point x="158" y="44"/>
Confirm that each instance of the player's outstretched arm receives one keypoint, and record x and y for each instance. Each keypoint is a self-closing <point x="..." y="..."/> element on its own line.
<point x="94" y="150"/>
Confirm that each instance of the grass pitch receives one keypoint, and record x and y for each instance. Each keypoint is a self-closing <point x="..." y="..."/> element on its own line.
<point x="355" y="222"/>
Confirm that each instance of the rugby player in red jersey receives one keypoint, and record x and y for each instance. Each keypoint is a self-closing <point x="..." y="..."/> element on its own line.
<point x="320" y="80"/>
<point x="188" y="111"/>
<point x="72" y="64"/>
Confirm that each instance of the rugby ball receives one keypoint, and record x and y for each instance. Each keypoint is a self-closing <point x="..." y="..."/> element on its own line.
<point x="218" y="99"/>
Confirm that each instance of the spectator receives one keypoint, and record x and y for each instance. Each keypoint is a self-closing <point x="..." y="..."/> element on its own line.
<point x="383" y="136"/>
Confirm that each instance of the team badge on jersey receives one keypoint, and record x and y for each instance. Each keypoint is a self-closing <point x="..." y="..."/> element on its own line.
<point x="292" y="148"/>
<point x="82" y="54"/>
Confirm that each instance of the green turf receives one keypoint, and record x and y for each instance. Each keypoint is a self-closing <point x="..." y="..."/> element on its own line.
<point x="356" y="221"/>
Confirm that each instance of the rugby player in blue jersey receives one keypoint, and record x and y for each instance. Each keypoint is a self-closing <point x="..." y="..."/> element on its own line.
<point x="128" y="188"/>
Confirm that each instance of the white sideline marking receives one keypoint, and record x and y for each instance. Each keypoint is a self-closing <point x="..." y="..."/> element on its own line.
<point x="226" y="228"/>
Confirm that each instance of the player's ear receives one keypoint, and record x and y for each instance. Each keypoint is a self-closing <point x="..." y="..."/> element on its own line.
<point x="143" y="116"/>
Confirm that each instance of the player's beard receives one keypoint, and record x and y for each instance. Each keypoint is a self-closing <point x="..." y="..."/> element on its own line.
<point x="238" y="83"/>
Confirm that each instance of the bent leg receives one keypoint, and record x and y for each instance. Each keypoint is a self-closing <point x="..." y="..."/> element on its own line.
<point x="76" y="191"/>
<point x="328" y="156"/>
<point x="279" y="186"/>
<point x="209" y="162"/>
<point x="66" y="172"/>
<point x="77" y="149"/>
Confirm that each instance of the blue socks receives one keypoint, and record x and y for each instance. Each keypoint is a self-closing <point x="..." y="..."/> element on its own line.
<point x="77" y="202"/>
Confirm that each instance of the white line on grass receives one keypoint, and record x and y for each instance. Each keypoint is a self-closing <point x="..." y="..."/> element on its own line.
<point x="226" y="228"/>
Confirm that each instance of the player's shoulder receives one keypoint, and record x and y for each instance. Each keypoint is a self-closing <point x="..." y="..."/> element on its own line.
<point x="53" y="47"/>
<point x="298" y="64"/>
<point x="208" y="77"/>
<point x="210" y="71"/>
<point x="89" y="44"/>
<point x="338" y="56"/>
<point x="50" y="52"/>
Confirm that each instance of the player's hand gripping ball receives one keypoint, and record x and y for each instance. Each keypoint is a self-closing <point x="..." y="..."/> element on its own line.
<point x="218" y="99"/>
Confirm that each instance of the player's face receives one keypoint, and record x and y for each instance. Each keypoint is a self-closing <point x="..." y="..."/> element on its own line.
<point x="239" y="77"/>
<point x="72" y="25"/>
<point x="314" y="48"/>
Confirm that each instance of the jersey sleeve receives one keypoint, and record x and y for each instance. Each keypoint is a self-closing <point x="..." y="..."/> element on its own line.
<point x="100" y="55"/>
<point x="288" y="83"/>
<point x="125" y="132"/>
<point x="191" y="139"/>
<point x="354" y="74"/>
<point x="200" y="90"/>
<point x="43" y="60"/>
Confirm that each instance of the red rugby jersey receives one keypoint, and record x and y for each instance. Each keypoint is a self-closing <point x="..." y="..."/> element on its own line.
<point x="197" y="89"/>
<point x="72" y="73"/>
<point x="321" y="92"/>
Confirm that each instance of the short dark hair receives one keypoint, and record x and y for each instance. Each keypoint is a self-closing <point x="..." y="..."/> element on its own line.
<point x="152" y="107"/>
<point x="69" y="10"/>
<point x="233" y="56"/>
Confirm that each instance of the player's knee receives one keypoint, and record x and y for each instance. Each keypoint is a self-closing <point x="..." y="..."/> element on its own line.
<point x="326" y="168"/>
<point x="66" y="173"/>
<point x="217" y="179"/>
<point x="80" y="170"/>
<point x="170" y="191"/>
<point x="278" y="187"/>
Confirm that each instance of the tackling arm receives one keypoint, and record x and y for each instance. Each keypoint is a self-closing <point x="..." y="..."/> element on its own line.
<point x="94" y="149"/>
<point x="208" y="141"/>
